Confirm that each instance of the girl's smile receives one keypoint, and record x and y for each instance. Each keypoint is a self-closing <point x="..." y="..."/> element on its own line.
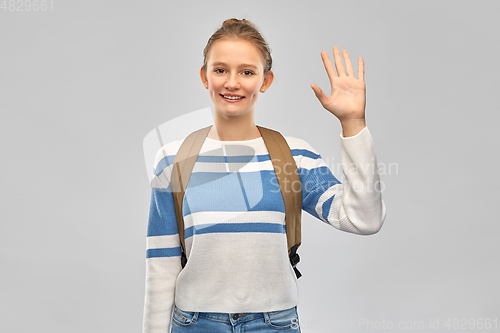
<point x="232" y="98"/>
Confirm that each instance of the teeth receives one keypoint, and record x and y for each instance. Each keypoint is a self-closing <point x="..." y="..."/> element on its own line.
<point x="232" y="97"/>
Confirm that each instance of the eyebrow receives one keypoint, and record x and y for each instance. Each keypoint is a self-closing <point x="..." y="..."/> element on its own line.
<point x="220" y="63"/>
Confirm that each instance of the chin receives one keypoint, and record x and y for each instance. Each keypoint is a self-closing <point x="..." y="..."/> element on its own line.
<point x="232" y="113"/>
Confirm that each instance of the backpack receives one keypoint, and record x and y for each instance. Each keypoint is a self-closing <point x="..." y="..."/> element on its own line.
<point x="280" y="155"/>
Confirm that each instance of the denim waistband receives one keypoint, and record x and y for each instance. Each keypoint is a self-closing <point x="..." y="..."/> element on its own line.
<point x="237" y="316"/>
<point x="231" y="317"/>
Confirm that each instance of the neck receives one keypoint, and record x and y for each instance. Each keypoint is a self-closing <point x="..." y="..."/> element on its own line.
<point x="234" y="128"/>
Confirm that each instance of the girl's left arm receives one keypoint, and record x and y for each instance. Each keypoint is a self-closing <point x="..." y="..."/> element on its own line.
<point x="355" y="206"/>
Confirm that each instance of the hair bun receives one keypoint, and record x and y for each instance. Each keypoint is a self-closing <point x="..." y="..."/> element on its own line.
<point x="232" y="21"/>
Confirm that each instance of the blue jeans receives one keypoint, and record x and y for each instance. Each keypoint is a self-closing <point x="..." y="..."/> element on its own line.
<point x="250" y="322"/>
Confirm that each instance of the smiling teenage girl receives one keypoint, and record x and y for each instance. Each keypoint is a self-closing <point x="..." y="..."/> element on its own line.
<point x="238" y="277"/>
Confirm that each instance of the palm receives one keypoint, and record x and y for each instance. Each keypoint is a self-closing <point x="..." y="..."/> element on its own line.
<point x="348" y="94"/>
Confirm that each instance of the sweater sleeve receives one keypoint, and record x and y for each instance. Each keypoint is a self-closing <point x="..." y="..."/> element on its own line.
<point x="163" y="254"/>
<point x="356" y="206"/>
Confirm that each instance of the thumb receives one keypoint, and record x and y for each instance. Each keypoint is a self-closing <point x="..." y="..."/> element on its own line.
<point x="319" y="94"/>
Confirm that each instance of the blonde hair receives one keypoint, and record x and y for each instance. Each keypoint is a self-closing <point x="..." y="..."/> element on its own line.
<point x="242" y="29"/>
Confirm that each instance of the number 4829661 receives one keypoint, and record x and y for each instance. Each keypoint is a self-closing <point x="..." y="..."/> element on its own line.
<point x="27" y="5"/>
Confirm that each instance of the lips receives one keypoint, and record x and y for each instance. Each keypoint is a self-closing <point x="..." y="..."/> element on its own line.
<point x="232" y="97"/>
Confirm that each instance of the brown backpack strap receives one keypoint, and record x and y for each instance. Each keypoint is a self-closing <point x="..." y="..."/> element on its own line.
<point x="183" y="166"/>
<point x="290" y="186"/>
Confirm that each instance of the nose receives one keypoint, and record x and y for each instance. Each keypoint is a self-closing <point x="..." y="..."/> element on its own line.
<point x="232" y="82"/>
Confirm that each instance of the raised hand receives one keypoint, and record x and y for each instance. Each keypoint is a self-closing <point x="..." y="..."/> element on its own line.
<point x="348" y="96"/>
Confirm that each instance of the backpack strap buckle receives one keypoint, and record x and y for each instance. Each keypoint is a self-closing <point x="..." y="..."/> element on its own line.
<point x="183" y="259"/>
<point x="294" y="260"/>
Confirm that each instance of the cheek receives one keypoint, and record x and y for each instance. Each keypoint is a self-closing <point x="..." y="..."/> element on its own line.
<point x="253" y="88"/>
<point x="213" y="86"/>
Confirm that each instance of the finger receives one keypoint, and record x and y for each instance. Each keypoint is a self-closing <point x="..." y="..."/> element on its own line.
<point x="319" y="94"/>
<point x="361" y="69"/>
<point x="328" y="65"/>
<point x="348" y="64"/>
<point x="338" y="61"/>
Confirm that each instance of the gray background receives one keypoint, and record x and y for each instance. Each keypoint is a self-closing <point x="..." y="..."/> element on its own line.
<point x="81" y="86"/>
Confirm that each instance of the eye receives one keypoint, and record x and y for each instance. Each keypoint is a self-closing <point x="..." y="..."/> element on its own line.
<point x="246" y="73"/>
<point x="219" y="70"/>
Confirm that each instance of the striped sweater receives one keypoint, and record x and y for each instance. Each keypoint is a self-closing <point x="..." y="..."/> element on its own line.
<point x="234" y="220"/>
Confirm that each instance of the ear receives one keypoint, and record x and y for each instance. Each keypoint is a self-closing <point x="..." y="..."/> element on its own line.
<point x="268" y="80"/>
<point x="203" y="76"/>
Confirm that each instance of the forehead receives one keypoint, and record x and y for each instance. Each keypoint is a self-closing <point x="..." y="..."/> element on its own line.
<point x="233" y="51"/>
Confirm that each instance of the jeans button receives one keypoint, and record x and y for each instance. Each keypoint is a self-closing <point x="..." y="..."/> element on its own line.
<point x="235" y="316"/>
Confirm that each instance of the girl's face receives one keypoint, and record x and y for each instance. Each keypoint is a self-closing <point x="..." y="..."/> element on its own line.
<point x="235" y="76"/>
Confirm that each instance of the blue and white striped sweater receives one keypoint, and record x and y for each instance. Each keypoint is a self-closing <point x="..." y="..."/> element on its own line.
<point x="235" y="225"/>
